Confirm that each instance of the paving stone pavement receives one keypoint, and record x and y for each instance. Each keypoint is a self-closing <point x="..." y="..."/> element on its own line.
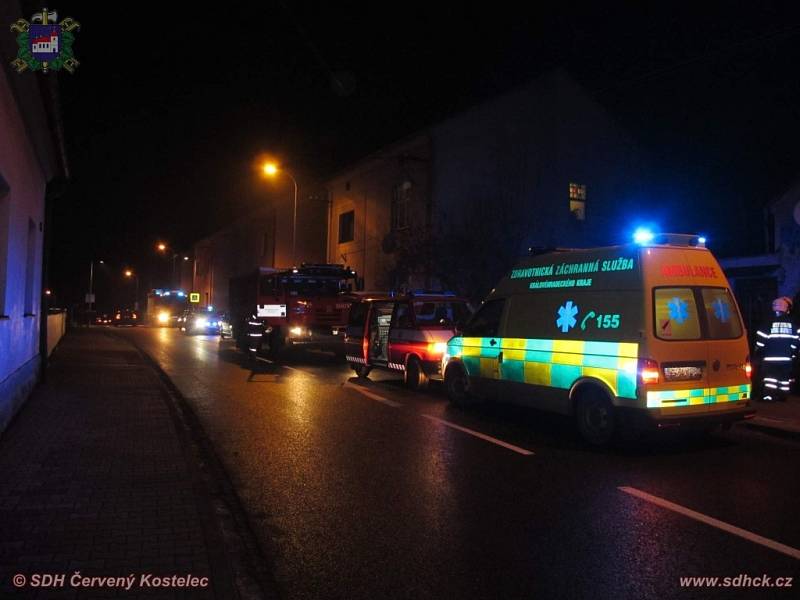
<point x="94" y="477"/>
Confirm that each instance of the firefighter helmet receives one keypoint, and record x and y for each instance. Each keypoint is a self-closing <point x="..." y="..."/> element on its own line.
<point x="782" y="304"/>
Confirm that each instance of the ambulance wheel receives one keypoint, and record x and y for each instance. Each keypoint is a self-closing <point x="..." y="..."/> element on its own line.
<point x="414" y="377"/>
<point x="362" y="371"/>
<point x="596" y="418"/>
<point x="456" y="383"/>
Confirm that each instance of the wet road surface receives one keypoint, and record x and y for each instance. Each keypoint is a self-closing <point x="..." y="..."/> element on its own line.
<point x="365" y="490"/>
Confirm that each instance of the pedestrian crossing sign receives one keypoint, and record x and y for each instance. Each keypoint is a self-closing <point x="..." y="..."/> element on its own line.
<point x="194" y="297"/>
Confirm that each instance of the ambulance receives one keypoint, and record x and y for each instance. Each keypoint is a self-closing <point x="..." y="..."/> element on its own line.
<point x="623" y="338"/>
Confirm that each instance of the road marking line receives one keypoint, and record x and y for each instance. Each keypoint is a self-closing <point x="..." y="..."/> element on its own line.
<point x="743" y="533"/>
<point x="480" y="435"/>
<point x="373" y="396"/>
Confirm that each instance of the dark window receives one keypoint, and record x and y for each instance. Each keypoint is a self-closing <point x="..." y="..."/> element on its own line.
<point x="347" y="226"/>
<point x="577" y="201"/>
<point x="358" y="312"/>
<point x="266" y="286"/>
<point x="485" y="322"/>
<point x="440" y="314"/>
<point x="400" y="206"/>
<point x="30" y="267"/>
<point x="402" y="317"/>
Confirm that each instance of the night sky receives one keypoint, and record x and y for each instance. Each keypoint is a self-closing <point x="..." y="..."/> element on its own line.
<point x="170" y="107"/>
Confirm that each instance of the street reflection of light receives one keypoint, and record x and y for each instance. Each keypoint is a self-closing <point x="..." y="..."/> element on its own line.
<point x="164" y="336"/>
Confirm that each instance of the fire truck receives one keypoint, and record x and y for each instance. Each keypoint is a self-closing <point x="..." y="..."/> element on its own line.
<point x="164" y="307"/>
<point x="304" y="306"/>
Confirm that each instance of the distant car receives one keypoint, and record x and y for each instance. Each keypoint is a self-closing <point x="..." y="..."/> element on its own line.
<point x="126" y="318"/>
<point x="201" y="322"/>
<point x="103" y="319"/>
<point x="225" y="326"/>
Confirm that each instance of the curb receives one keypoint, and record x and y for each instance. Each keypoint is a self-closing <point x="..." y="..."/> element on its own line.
<point x="248" y="567"/>
<point x="777" y="427"/>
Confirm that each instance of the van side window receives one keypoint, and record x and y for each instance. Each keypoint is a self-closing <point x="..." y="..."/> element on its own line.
<point x="676" y="314"/>
<point x="485" y="322"/>
<point x="721" y="314"/>
<point x="401" y="318"/>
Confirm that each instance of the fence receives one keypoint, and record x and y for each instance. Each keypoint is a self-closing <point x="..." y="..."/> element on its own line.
<point x="56" y="326"/>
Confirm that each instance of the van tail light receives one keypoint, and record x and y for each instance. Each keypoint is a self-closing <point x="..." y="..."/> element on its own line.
<point x="748" y="368"/>
<point x="648" y="371"/>
<point x="365" y="347"/>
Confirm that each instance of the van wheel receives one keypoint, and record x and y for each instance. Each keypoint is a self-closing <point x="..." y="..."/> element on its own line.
<point x="596" y="418"/>
<point x="456" y="383"/>
<point x="362" y="370"/>
<point x="414" y="377"/>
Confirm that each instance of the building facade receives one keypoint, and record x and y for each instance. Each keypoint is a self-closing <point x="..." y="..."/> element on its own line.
<point x="455" y="205"/>
<point x="30" y="157"/>
<point x="758" y="279"/>
<point x="262" y="238"/>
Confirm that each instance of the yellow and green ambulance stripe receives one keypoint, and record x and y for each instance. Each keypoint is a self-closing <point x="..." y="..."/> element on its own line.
<point x="691" y="397"/>
<point x="551" y="363"/>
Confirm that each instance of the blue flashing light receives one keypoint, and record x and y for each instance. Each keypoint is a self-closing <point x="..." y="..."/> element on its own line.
<point x="643" y="236"/>
<point x="210" y="308"/>
<point x="166" y="293"/>
<point x="702" y="240"/>
<point x="181" y="294"/>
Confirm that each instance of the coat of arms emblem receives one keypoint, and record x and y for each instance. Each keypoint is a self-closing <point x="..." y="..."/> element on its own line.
<point x="44" y="43"/>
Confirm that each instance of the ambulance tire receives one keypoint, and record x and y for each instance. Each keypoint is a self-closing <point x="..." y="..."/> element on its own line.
<point x="362" y="371"/>
<point x="414" y="376"/>
<point x="595" y="417"/>
<point x="456" y="383"/>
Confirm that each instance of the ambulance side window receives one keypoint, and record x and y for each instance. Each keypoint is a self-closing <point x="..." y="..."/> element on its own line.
<point x="721" y="314"/>
<point x="676" y="315"/>
<point x="485" y="322"/>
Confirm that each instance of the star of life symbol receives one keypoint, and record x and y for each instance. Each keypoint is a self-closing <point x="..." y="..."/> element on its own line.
<point x="566" y="316"/>
<point x="44" y="44"/>
<point x="678" y="310"/>
<point x="721" y="310"/>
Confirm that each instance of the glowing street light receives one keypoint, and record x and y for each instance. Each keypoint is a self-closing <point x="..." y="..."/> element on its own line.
<point x="130" y="274"/>
<point x="271" y="169"/>
<point x="161" y="247"/>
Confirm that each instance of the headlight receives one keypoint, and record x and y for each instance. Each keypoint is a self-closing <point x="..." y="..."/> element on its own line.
<point x="437" y="347"/>
<point x="201" y="322"/>
<point x="296" y="331"/>
<point x="163" y="317"/>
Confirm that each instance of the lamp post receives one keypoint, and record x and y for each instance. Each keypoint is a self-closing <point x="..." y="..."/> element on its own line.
<point x="163" y="247"/>
<point x="271" y="170"/>
<point x="130" y="274"/>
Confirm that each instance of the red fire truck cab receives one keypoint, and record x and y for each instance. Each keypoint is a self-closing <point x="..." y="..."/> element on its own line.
<point x="300" y="306"/>
<point x="406" y="334"/>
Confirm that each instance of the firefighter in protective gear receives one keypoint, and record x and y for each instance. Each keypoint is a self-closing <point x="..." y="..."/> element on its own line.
<point x="776" y="346"/>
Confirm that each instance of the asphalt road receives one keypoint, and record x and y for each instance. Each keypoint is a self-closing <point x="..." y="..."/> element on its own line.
<point x="365" y="490"/>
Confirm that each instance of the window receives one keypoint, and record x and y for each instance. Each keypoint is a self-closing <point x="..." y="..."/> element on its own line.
<point x="577" y="201"/>
<point x="358" y="312"/>
<point x="266" y="286"/>
<point x="401" y="319"/>
<point x="485" y="322"/>
<point x="4" y="234"/>
<point x="442" y="314"/>
<point x="401" y="195"/>
<point x="30" y="267"/>
<point x="347" y="226"/>
<point x="721" y="314"/>
<point x="676" y="314"/>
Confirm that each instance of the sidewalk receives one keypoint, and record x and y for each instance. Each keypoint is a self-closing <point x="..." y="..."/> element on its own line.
<point x="96" y="477"/>
<point x="780" y="417"/>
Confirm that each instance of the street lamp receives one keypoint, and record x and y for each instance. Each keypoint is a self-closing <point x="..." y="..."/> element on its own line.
<point x="130" y="274"/>
<point x="271" y="170"/>
<point x="162" y="247"/>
